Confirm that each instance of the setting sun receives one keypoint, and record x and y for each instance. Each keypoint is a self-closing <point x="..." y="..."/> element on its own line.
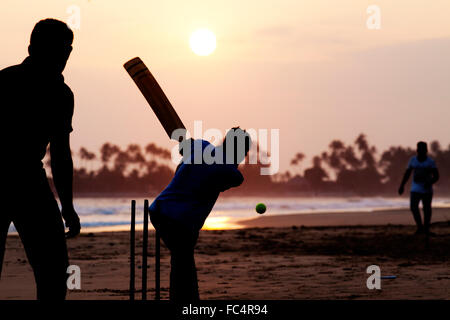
<point x="202" y="42"/>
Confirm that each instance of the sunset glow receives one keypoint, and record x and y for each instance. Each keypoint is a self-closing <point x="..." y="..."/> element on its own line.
<point x="311" y="68"/>
<point x="220" y="223"/>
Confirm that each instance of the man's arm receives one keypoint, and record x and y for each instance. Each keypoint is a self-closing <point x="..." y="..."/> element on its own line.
<point x="435" y="173"/>
<point x="62" y="170"/>
<point x="406" y="176"/>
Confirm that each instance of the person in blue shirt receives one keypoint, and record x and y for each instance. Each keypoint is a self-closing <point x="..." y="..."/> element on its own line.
<point x="181" y="209"/>
<point x="425" y="175"/>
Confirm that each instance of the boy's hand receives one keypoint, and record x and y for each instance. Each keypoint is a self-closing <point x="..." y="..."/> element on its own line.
<point x="185" y="145"/>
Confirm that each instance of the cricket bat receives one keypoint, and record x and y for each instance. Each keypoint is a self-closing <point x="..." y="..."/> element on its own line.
<point x="155" y="96"/>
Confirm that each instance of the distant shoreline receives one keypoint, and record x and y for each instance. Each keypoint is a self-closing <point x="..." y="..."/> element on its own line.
<point x="328" y="219"/>
<point x="377" y="217"/>
<point x="261" y="194"/>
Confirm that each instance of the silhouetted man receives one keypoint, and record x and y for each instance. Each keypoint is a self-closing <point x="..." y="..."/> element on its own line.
<point x="180" y="211"/>
<point x="37" y="108"/>
<point x="425" y="175"/>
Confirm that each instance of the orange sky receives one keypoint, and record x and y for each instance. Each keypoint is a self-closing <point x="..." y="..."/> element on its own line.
<point x="310" y="68"/>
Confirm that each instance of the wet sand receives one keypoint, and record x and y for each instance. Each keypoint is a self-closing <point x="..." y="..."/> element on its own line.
<point x="317" y="256"/>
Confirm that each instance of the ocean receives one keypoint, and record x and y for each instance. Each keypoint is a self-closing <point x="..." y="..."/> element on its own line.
<point x="111" y="214"/>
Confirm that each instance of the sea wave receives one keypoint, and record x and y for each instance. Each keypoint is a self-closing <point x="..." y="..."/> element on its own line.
<point x="104" y="212"/>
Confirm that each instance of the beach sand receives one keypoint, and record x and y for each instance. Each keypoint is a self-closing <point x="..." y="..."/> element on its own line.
<point x="303" y="256"/>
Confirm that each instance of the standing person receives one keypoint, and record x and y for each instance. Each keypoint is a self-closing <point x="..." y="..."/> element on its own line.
<point x="37" y="108"/>
<point x="425" y="175"/>
<point x="180" y="211"/>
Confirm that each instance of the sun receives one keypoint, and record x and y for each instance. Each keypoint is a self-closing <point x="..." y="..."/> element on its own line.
<point x="202" y="42"/>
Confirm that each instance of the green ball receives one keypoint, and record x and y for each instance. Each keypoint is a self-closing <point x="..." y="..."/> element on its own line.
<point x="260" y="208"/>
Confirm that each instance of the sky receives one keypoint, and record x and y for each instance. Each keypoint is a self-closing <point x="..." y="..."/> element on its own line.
<point x="312" y="69"/>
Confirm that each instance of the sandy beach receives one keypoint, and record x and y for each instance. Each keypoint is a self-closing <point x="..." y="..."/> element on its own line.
<point x="303" y="256"/>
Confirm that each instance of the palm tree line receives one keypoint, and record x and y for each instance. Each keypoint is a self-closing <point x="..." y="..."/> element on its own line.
<point x="357" y="168"/>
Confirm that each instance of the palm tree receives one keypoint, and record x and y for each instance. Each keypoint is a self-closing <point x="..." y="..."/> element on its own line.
<point x="156" y="151"/>
<point x="86" y="156"/>
<point x="298" y="158"/>
<point x="107" y="151"/>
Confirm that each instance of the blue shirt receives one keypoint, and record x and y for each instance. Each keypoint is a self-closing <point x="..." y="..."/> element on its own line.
<point x="193" y="191"/>
<point x="422" y="174"/>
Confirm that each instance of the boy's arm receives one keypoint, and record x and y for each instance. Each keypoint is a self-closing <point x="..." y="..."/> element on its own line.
<point x="229" y="179"/>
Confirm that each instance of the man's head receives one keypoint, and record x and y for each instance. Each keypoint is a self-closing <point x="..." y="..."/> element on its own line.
<point x="51" y="44"/>
<point x="422" y="149"/>
<point x="236" y="145"/>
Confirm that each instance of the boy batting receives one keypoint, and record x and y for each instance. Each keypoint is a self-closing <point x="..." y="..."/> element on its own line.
<point x="181" y="209"/>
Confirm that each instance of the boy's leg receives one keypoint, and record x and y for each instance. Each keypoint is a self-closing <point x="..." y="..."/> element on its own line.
<point x="426" y="202"/>
<point x="42" y="233"/>
<point x="414" y="206"/>
<point x="183" y="275"/>
<point x="181" y="242"/>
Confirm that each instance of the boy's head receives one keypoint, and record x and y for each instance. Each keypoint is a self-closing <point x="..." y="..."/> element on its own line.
<point x="422" y="149"/>
<point x="236" y="145"/>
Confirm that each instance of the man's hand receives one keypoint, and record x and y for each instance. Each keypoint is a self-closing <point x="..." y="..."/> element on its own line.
<point x="72" y="222"/>
<point x="401" y="190"/>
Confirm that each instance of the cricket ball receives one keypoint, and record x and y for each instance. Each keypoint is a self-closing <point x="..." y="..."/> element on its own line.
<point x="260" y="208"/>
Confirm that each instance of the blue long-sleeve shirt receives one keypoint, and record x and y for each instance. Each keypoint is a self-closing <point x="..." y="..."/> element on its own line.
<point x="193" y="191"/>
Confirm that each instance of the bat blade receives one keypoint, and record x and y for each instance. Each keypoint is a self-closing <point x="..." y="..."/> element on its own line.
<point x="154" y="95"/>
